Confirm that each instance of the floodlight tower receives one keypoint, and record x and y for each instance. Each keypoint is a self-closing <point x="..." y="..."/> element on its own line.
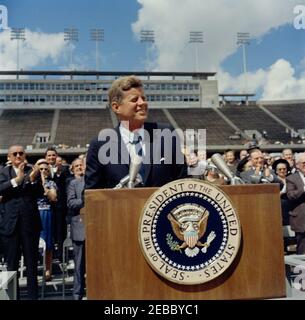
<point x="97" y="35"/>
<point x="243" y="39"/>
<point x="196" y="37"/>
<point x="18" y="34"/>
<point x="147" y="36"/>
<point x="70" y="35"/>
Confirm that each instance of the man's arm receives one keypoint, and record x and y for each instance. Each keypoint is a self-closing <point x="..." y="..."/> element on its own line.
<point x="73" y="202"/>
<point x="5" y="184"/>
<point x="93" y="167"/>
<point x="293" y="191"/>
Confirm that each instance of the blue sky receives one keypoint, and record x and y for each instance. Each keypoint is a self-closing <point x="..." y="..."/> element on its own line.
<point x="275" y="56"/>
<point x="114" y="16"/>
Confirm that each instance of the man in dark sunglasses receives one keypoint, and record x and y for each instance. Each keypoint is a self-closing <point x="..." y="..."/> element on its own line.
<point x="20" y="223"/>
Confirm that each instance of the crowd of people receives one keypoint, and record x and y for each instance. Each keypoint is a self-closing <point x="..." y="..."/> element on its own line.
<point x="39" y="200"/>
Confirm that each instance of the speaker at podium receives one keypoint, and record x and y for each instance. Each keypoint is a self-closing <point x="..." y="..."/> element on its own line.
<point x="188" y="240"/>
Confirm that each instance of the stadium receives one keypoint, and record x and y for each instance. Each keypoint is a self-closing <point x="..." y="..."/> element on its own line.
<point x="67" y="109"/>
<point x="51" y="113"/>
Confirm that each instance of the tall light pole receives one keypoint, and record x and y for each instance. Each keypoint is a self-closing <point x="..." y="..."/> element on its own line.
<point x="18" y="34"/>
<point x="196" y="37"/>
<point x="243" y="39"/>
<point x="70" y="35"/>
<point x="147" y="36"/>
<point x="97" y="35"/>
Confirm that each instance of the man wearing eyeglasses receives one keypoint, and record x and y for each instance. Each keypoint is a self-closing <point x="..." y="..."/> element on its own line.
<point x="20" y="222"/>
<point x="296" y="194"/>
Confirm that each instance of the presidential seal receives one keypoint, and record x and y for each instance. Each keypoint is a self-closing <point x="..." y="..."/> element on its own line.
<point x="189" y="231"/>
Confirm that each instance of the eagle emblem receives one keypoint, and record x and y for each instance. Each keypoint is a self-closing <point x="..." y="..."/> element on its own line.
<point x="189" y="223"/>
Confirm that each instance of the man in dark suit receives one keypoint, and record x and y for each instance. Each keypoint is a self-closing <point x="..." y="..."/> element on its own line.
<point x="158" y="145"/>
<point x="20" y="223"/>
<point x="75" y="203"/>
<point x="296" y="194"/>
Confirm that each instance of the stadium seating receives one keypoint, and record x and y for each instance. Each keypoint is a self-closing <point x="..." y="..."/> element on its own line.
<point x="20" y="126"/>
<point x="218" y="131"/>
<point x="79" y="127"/>
<point x="253" y="118"/>
<point x="292" y="114"/>
<point x="76" y="127"/>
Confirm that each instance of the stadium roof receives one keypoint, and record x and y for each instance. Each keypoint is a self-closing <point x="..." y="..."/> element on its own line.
<point x="44" y="73"/>
<point x="236" y="94"/>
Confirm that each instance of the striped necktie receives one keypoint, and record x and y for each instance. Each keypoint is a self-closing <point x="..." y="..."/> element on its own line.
<point x="136" y="142"/>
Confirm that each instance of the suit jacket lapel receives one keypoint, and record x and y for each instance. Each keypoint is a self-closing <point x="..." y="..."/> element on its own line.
<point x="12" y="172"/>
<point x="149" y="149"/>
<point x="299" y="181"/>
<point x="123" y="155"/>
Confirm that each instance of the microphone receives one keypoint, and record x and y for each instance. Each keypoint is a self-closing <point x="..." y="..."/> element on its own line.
<point x="134" y="168"/>
<point x="217" y="159"/>
<point x="133" y="178"/>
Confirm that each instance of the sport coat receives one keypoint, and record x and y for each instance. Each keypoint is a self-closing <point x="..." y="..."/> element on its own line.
<point x="296" y="195"/>
<point x="75" y="203"/>
<point x="250" y="177"/>
<point x="21" y="200"/>
<point x="163" y="161"/>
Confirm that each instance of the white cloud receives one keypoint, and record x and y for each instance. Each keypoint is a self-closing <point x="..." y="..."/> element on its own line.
<point x="37" y="48"/>
<point x="278" y="82"/>
<point x="220" y="20"/>
<point x="282" y="84"/>
<point x="251" y="83"/>
<point x="172" y="20"/>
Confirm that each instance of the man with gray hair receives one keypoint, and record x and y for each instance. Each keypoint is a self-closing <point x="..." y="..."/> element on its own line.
<point x="259" y="173"/>
<point x="296" y="194"/>
<point x="288" y="155"/>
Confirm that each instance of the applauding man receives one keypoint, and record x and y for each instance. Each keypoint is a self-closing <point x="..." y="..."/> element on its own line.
<point x="19" y="218"/>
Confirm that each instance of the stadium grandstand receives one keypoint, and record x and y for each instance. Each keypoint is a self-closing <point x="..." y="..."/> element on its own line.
<point x="67" y="109"/>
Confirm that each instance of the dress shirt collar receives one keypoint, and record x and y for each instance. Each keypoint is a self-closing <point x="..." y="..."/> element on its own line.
<point x="128" y="136"/>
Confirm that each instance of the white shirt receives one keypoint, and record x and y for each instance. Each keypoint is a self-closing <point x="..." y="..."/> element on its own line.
<point x="128" y="137"/>
<point x="13" y="181"/>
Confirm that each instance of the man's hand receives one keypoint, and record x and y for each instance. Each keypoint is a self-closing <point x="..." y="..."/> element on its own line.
<point x="266" y="171"/>
<point x="20" y="175"/>
<point x="34" y="174"/>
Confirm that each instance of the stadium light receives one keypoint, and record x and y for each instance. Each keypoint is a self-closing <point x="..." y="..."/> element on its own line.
<point x="70" y="35"/>
<point x="18" y="34"/>
<point x="243" y="39"/>
<point x="147" y="36"/>
<point x="196" y="37"/>
<point x="97" y="35"/>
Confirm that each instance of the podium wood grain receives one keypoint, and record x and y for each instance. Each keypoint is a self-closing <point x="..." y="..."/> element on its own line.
<point x="117" y="269"/>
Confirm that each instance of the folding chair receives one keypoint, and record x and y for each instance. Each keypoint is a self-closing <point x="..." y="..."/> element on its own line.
<point x="65" y="256"/>
<point x="292" y="261"/>
<point x="42" y="249"/>
<point x="289" y="240"/>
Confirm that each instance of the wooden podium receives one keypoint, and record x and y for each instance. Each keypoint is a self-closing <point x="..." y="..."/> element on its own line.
<point x="117" y="269"/>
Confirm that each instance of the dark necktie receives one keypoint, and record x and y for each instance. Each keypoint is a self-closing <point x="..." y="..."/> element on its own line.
<point x="137" y="144"/>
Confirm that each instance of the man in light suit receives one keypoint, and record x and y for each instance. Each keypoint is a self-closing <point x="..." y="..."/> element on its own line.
<point x="75" y="203"/>
<point x="20" y="222"/>
<point x="259" y="173"/>
<point x="296" y="194"/>
<point x="109" y="154"/>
